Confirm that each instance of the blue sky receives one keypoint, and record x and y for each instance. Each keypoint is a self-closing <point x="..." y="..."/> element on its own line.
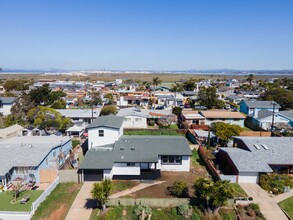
<point x="146" y="34"/>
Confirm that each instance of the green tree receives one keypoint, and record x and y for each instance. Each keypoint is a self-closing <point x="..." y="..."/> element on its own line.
<point x="13" y="119"/>
<point x="214" y="194"/>
<point x="109" y="109"/>
<point x="208" y="97"/>
<point x="18" y="85"/>
<point x="250" y="78"/>
<point x="282" y="96"/>
<point x="156" y="81"/>
<point x="110" y="97"/>
<point x="22" y="105"/>
<point x="101" y="192"/>
<point x="59" y="104"/>
<point x="225" y="131"/>
<point x="189" y="85"/>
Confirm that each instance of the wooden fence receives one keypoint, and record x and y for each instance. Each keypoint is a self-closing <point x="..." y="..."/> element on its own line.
<point x="208" y="163"/>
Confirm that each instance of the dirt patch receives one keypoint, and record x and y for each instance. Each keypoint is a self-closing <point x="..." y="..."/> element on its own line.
<point x="160" y="190"/>
<point x="59" y="214"/>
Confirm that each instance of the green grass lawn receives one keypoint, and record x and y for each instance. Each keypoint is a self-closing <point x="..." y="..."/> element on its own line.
<point x="6" y="198"/>
<point x="287" y="205"/>
<point x="152" y="132"/>
<point x="238" y="191"/>
<point x="63" y="195"/>
<point x="246" y="129"/>
<point x="123" y="185"/>
<point x="75" y="143"/>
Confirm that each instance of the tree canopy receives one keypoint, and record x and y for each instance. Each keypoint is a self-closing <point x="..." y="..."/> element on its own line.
<point x="225" y="131"/>
<point x="282" y="96"/>
<point x="189" y="85"/>
<point x="101" y="191"/>
<point x="108" y="110"/>
<point x="208" y="97"/>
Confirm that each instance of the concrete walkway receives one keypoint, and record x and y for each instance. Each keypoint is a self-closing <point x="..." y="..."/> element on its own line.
<point x="283" y="196"/>
<point x="83" y="204"/>
<point x="134" y="189"/>
<point x="268" y="207"/>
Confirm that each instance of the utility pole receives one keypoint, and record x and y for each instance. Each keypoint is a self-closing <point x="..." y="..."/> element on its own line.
<point x="273" y="117"/>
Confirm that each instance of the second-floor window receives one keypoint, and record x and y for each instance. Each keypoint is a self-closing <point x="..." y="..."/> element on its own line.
<point x="101" y="133"/>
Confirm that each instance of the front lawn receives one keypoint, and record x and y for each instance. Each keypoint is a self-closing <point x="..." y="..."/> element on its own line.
<point x="60" y="200"/>
<point x="152" y="132"/>
<point x="75" y="143"/>
<point x="238" y="191"/>
<point x="120" y="185"/>
<point x="287" y="205"/>
<point x="6" y="198"/>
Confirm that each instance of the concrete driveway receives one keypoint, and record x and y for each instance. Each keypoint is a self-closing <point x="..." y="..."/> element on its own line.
<point x="269" y="208"/>
<point x="83" y="205"/>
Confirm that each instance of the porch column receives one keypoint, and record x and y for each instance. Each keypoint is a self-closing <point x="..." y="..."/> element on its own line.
<point x="82" y="176"/>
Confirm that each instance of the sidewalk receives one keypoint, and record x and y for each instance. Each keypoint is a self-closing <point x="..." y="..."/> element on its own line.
<point x="268" y="207"/>
<point x="83" y="204"/>
<point x="283" y="196"/>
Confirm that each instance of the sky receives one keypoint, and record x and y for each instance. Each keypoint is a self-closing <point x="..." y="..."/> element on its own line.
<point x="146" y="34"/>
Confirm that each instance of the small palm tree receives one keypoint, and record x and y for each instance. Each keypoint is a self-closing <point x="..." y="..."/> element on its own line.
<point x="156" y="81"/>
<point x="250" y="78"/>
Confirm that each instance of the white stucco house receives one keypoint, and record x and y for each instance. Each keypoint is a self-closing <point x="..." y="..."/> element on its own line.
<point x="130" y="157"/>
<point x="104" y="130"/>
<point x="6" y="105"/>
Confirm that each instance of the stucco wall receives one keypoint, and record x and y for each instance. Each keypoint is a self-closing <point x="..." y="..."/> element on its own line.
<point x="134" y="122"/>
<point x="123" y="169"/>
<point x="239" y="122"/>
<point x="185" y="166"/>
<point x="110" y="136"/>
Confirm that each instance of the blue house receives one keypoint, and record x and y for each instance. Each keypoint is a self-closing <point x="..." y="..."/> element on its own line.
<point x="252" y="107"/>
<point x="25" y="157"/>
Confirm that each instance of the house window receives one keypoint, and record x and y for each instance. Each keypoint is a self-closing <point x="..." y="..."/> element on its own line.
<point x="138" y="119"/>
<point x="131" y="164"/>
<point x="171" y="160"/>
<point x="101" y="133"/>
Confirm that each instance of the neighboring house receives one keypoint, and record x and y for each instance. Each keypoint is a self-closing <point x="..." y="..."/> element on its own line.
<point x="235" y="118"/>
<point x="136" y="157"/>
<point x="78" y="116"/>
<point x="28" y="157"/>
<point x="196" y="136"/>
<point x="281" y="119"/>
<point x="104" y="130"/>
<point x="136" y="117"/>
<point x="235" y="99"/>
<point x="193" y="117"/>
<point x="252" y="156"/>
<point x="6" y="105"/>
<point x="250" y="94"/>
<point x="12" y="131"/>
<point x="252" y="107"/>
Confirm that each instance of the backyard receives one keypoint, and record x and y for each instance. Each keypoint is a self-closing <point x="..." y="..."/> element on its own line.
<point x="57" y="204"/>
<point x="6" y="198"/>
<point x="287" y="205"/>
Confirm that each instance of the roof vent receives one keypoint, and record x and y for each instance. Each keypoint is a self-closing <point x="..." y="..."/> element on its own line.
<point x="121" y="157"/>
<point x="256" y="146"/>
<point x="132" y="148"/>
<point x="147" y="139"/>
<point x="121" y="148"/>
<point x="265" y="146"/>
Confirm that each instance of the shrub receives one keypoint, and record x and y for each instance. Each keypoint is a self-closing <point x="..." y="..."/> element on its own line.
<point x="178" y="189"/>
<point x="151" y="122"/>
<point x="185" y="210"/>
<point x="275" y="182"/>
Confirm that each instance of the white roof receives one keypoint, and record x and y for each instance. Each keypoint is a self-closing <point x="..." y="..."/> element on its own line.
<point x="79" y="113"/>
<point x="9" y="130"/>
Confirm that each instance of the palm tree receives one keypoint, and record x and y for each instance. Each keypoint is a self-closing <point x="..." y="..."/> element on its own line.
<point x="250" y="78"/>
<point x="156" y="81"/>
<point x="178" y="87"/>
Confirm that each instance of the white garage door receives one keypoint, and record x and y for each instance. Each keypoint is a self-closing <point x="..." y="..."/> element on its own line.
<point x="248" y="178"/>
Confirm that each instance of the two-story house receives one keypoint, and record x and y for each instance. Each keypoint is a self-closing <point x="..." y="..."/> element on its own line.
<point x="252" y="107"/>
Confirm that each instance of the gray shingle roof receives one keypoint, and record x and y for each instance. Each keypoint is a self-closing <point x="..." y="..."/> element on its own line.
<point x="260" y="104"/>
<point x="110" y="121"/>
<point x="264" y="113"/>
<point x="7" y="100"/>
<point x="280" y="151"/>
<point x="79" y="113"/>
<point x="26" y="151"/>
<point x="287" y="114"/>
<point x="146" y="149"/>
<point x="145" y="113"/>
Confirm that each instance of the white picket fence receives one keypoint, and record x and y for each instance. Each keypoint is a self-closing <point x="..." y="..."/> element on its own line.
<point x="4" y="215"/>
